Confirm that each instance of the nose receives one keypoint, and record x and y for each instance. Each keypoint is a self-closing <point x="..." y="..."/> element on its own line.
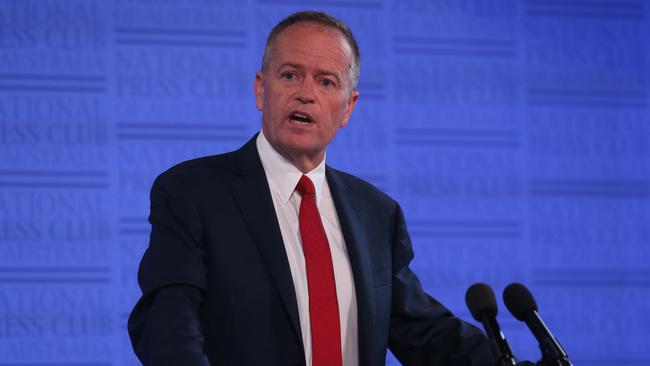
<point x="305" y="92"/>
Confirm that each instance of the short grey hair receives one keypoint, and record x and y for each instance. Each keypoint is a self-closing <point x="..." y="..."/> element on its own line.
<point x="319" y="18"/>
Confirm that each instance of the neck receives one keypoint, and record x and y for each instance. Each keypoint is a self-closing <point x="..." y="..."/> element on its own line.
<point x="303" y="162"/>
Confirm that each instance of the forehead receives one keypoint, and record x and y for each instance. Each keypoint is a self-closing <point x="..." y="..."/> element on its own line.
<point x="312" y="44"/>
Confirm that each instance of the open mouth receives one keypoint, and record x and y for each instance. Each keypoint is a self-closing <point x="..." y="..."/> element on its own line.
<point x="300" y="117"/>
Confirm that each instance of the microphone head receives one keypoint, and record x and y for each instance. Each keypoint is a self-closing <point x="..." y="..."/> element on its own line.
<point x="480" y="300"/>
<point x="519" y="300"/>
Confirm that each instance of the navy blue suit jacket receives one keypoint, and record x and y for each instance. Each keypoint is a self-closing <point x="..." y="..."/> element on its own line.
<point x="217" y="288"/>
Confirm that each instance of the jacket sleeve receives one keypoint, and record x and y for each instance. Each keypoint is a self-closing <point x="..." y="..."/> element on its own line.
<point x="165" y="326"/>
<point x="423" y="331"/>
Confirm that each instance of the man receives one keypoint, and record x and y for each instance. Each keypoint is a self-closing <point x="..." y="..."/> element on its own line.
<point x="266" y="256"/>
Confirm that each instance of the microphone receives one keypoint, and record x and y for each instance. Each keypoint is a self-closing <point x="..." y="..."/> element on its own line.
<point x="483" y="306"/>
<point x="522" y="305"/>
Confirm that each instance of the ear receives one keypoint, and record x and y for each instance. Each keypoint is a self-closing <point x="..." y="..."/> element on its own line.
<point x="258" y="86"/>
<point x="349" y="108"/>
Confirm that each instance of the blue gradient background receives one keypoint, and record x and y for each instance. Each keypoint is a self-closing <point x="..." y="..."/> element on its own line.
<point x="516" y="135"/>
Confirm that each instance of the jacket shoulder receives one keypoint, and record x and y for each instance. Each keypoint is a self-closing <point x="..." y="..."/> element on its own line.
<point x="198" y="174"/>
<point x="218" y="162"/>
<point x="362" y="189"/>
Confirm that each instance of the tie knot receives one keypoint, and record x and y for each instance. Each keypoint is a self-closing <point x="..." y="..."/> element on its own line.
<point x="305" y="186"/>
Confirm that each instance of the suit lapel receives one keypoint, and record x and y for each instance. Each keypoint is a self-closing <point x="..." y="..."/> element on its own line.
<point x="351" y="220"/>
<point x="253" y="196"/>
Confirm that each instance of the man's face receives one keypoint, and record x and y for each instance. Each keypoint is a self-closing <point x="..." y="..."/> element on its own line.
<point x="305" y="94"/>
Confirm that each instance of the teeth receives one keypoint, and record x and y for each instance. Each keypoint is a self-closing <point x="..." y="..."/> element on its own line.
<point x="298" y="117"/>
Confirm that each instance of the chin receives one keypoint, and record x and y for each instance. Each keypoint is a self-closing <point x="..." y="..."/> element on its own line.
<point x="299" y="141"/>
<point x="302" y="147"/>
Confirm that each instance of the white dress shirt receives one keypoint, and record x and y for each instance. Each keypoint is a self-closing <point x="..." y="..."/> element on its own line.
<point x="283" y="177"/>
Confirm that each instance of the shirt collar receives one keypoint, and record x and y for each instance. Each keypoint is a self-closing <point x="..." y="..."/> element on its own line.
<point x="282" y="175"/>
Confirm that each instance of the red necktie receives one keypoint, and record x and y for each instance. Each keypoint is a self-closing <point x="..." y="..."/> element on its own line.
<point x="323" y="305"/>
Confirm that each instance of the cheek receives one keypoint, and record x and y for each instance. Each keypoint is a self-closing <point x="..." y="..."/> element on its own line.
<point x="340" y="111"/>
<point x="278" y="100"/>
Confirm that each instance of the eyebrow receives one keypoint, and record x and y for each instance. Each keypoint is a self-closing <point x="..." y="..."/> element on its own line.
<point x="319" y="72"/>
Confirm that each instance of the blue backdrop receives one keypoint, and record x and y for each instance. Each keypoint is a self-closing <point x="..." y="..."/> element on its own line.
<point x="516" y="135"/>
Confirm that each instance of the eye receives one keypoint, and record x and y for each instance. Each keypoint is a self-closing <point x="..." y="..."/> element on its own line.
<point x="288" y="75"/>
<point x="327" y="83"/>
